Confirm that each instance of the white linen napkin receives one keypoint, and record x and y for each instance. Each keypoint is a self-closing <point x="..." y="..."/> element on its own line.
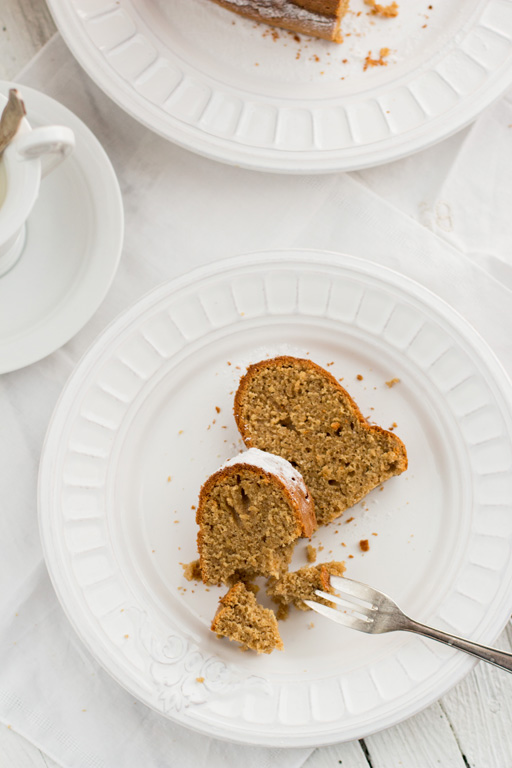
<point x="183" y="211"/>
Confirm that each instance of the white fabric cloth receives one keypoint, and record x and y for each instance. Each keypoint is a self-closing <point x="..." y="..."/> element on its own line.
<point x="441" y="217"/>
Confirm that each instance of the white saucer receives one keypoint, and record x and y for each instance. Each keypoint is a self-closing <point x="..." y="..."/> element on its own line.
<point x="72" y="250"/>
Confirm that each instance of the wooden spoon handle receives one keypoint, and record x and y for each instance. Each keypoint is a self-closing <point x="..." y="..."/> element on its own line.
<point x="12" y="115"/>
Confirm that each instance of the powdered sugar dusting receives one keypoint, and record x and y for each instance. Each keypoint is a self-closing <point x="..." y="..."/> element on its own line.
<point x="269" y="462"/>
<point x="283" y="9"/>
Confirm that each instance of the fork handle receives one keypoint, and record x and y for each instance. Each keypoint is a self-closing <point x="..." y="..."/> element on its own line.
<point x="500" y="659"/>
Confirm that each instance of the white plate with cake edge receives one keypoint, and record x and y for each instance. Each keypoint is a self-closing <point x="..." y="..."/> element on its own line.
<point x="147" y="416"/>
<point x="233" y="90"/>
<point x="73" y="247"/>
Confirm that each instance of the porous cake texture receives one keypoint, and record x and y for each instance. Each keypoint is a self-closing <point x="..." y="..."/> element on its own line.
<point x="240" y="617"/>
<point x="297" y="586"/>
<point x="294" y="408"/>
<point x="250" y="514"/>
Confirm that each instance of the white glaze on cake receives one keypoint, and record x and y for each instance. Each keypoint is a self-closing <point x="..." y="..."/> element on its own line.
<point x="274" y="465"/>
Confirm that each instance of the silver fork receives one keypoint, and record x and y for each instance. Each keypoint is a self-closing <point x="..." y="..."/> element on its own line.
<point x="369" y="610"/>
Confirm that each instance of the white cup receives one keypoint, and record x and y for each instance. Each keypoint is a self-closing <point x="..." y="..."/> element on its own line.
<point x="31" y="155"/>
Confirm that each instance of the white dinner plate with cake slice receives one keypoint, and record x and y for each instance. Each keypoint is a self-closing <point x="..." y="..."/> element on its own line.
<point x="247" y="94"/>
<point x="147" y="416"/>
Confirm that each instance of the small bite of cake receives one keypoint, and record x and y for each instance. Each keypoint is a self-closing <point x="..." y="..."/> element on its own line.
<point x="297" y="586"/>
<point x="250" y="514"/>
<point x="240" y="617"/>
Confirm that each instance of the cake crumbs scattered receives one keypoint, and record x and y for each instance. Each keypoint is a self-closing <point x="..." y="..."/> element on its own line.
<point x="217" y="409"/>
<point x="386" y="11"/>
<point x="364" y="545"/>
<point x="199" y="679"/>
<point x="282" y="612"/>
<point x="374" y="534"/>
<point x="349" y="520"/>
<point x="320" y="548"/>
<point x="311" y="553"/>
<point x="169" y="478"/>
<point x="380" y="62"/>
<point x="392" y="382"/>
<point x="350" y="557"/>
<point x="180" y="432"/>
<point x="127" y="636"/>
<point x="359" y="377"/>
<point x="311" y="625"/>
<point x="193" y="506"/>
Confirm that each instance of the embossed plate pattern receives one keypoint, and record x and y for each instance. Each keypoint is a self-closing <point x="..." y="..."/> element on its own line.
<point x="229" y="89"/>
<point x="147" y="416"/>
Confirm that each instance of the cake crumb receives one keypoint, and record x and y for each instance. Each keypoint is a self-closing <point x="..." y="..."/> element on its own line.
<point x="311" y="553"/>
<point x="283" y="612"/>
<point x="199" y="679"/>
<point x="386" y="11"/>
<point x="180" y="432"/>
<point x="350" y="557"/>
<point x="311" y="625"/>
<point x="320" y="548"/>
<point x="364" y="545"/>
<point x="217" y="409"/>
<point x="192" y="571"/>
<point x="375" y="534"/>
<point x="392" y="382"/>
<point x="126" y="636"/>
<point x="349" y="520"/>
<point x="359" y="377"/>
<point x="169" y="478"/>
<point x="380" y="62"/>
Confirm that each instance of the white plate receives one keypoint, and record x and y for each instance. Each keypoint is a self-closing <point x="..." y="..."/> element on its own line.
<point x="222" y="85"/>
<point x="73" y="246"/>
<point x="141" y="408"/>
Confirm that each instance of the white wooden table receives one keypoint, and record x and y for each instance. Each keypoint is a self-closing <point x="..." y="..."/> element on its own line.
<point x="471" y="727"/>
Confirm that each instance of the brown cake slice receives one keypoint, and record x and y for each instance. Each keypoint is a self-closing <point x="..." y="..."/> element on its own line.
<point x="319" y="18"/>
<point x="240" y="617"/>
<point x="297" y="586"/>
<point x="250" y="514"/>
<point x="295" y="409"/>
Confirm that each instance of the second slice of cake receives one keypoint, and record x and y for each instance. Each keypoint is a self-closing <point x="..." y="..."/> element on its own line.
<point x="250" y="514"/>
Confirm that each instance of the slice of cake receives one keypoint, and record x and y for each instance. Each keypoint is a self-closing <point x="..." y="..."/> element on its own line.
<point x="295" y="409"/>
<point x="250" y="514"/>
<point x="319" y="18"/>
<point x="297" y="586"/>
<point x="240" y="617"/>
